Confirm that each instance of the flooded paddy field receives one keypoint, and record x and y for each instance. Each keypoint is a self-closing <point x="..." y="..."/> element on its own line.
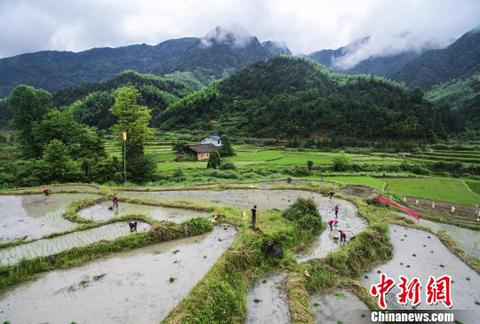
<point x="33" y="216"/>
<point x="45" y="247"/>
<point x="421" y="254"/>
<point x="468" y="239"/>
<point x="139" y="286"/>
<point x="101" y="212"/>
<point x="276" y="199"/>
<point x="349" y="221"/>
<point x="240" y="198"/>
<point x="341" y="306"/>
<point x="267" y="301"/>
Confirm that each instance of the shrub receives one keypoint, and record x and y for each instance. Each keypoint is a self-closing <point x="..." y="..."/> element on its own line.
<point x="227" y="166"/>
<point x="309" y="166"/>
<point x="140" y="168"/>
<point x="197" y="226"/>
<point x="178" y="173"/>
<point x="305" y="214"/>
<point x="165" y="231"/>
<point x="341" y="162"/>
<point x="224" y="174"/>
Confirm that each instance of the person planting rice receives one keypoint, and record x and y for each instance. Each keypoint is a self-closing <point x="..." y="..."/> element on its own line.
<point x="331" y="223"/>
<point x="47" y="190"/>
<point x="343" y="235"/>
<point x="331" y="194"/>
<point x="337" y="207"/>
<point x="133" y="226"/>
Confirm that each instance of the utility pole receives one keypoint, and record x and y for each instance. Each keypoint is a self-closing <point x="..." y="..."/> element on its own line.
<point x="124" y="138"/>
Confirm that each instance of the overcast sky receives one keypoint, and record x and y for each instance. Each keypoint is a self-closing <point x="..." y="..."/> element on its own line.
<point x="305" y="26"/>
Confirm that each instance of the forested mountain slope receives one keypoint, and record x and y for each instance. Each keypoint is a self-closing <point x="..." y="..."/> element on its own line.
<point x="463" y="95"/>
<point x="293" y="97"/>
<point x="217" y="54"/>
<point x="460" y="59"/>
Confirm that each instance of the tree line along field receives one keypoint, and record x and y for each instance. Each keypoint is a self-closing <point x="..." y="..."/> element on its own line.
<point x="251" y="157"/>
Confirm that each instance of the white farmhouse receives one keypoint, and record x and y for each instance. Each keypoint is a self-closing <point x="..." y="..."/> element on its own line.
<point x="212" y="139"/>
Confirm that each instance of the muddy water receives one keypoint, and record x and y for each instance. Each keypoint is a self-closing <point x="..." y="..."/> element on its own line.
<point x="61" y="243"/>
<point x="76" y="187"/>
<point x="349" y="221"/>
<point x="340" y="306"/>
<point x="421" y="254"/>
<point x="33" y="216"/>
<point x="279" y="199"/>
<point x="468" y="239"/>
<point x="101" y="212"/>
<point x="131" y="287"/>
<point x="267" y="301"/>
<point x="241" y="198"/>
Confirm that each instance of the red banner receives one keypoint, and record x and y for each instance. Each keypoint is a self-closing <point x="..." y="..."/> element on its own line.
<point x="402" y="208"/>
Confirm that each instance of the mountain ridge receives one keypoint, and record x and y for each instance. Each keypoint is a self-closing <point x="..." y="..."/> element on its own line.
<point x="459" y="59"/>
<point x="56" y="70"/>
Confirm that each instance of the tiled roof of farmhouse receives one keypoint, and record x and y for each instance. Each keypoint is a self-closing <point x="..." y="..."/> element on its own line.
<point x="214" y="137"/>
<point x="202" y="148"/>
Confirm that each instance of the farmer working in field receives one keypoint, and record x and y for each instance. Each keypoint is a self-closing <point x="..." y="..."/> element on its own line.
<point x="331" y="223"/>
<point x="343" y="236"/>
<point x="133" y="226"/>
<point x="254" y="216"/>
<point x="115" y="204"/>
<point x="47" y="190"/>
<point x="337" y="207"/>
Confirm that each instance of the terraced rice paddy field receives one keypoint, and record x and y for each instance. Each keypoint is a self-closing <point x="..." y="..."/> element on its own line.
<point x="176" y="266"/>
<point x="275" y="159"/>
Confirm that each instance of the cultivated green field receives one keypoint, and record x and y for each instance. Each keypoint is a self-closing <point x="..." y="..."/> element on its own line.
<point x="251" y="157"/>
<point x="446" y="189"/>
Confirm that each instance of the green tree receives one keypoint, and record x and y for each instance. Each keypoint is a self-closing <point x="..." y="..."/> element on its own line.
<point x="5" y="113"/>
<point x="214" y="160"/>
<point x="227" y="149"/>
<point x="133" y="119"/>
<point x="29" y="105"/>
<point x="57" y="165"/>
<point x="93" y="110"/>
<point x="83" y="141"/>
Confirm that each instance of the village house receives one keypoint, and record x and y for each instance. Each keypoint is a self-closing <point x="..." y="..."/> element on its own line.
<point x="212" y="139"/>
<point x="199" y="152"/>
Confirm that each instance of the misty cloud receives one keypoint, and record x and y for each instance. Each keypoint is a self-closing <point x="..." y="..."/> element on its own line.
<point x="304" y="25"/>
<point x="233" y="34"/>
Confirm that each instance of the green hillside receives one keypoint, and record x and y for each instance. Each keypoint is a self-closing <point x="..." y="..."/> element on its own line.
<point x="290" y="97"/>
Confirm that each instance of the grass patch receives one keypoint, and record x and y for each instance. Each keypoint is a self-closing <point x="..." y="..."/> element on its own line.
<point x="358" y="180"/>
<point x="298" y="299"/>
<point x="473" y="185"/>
